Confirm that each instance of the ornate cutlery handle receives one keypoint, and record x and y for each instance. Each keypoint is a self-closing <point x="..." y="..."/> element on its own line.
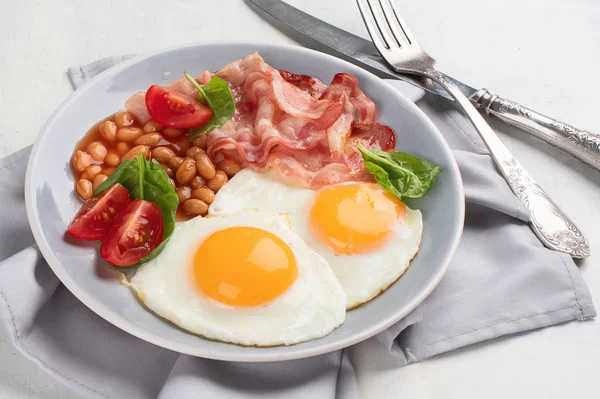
<point x="552" y="226"/>
<point x="583" y="145"/>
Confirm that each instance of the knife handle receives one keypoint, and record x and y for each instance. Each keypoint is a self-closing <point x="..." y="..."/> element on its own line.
<point x="583" y="145"/>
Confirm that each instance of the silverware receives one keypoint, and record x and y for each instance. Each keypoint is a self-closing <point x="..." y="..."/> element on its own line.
<point x="398" y="47"/>
<point x="321" y="36"/>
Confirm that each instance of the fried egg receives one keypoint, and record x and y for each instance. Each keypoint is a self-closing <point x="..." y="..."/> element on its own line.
<point x="367" y="235"/>
<point x="245" y="279"/>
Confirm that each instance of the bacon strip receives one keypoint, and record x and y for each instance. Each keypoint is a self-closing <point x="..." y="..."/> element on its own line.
<point x="295" y="101"/>
<point x="295" y="124"/>
<point x="311" y="85"/>
<point x="346" y="84"/>
<point x="137" y="106"/>
<point x="378" y="136"/>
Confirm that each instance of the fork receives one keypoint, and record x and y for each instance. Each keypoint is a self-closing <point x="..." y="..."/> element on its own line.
<point x="397" y="46"/>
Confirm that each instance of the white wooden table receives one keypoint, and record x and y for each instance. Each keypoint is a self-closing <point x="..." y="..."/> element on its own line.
<point x="545" y="56"/>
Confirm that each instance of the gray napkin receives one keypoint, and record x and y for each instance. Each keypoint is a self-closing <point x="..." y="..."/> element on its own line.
<point x="501" y="281"/>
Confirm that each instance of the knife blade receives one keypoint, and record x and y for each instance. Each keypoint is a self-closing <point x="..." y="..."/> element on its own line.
<point x="319" y="35"/>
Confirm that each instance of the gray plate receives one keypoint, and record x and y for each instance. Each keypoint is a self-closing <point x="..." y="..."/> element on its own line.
<point x="51" y="203"/>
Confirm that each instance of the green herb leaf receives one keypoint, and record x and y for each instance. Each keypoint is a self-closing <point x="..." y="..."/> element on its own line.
<point x="217" y="95"/>
<point x="147" y="181"/>
<point x="402" y="174"/>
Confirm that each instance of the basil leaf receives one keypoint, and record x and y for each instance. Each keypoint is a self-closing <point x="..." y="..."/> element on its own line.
<point x="402" y="174"/>
<point x="147" y="181"/>
<point x="217" y="95"/>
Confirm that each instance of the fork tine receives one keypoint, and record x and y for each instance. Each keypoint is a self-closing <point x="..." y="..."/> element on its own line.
<point x="395" y="20"/>
<point x="392" y="22"/>
<point x="376" y="26"/>
<point x="372" y="26"/>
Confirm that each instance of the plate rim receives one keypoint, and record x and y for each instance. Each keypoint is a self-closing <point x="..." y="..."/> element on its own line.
<point x="96" y="306"/>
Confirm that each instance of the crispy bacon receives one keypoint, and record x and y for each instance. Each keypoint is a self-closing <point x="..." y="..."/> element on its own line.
<point x="309" y="84"/>
<point x="295" y="124"/>
<point x="378" y="136"/>
<point x="344" y="84"/>
<point x="295" y="101"/>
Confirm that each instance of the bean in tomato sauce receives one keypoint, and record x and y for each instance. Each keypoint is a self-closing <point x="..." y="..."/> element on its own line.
<point x="120" y="137"/>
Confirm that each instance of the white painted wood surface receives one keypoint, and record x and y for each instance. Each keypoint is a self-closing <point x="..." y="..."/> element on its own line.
<point x="543" y="54"/>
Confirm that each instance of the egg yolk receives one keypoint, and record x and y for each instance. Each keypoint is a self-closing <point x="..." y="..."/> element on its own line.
<point x="354" y="218"/>
<point x="244" y="266"/>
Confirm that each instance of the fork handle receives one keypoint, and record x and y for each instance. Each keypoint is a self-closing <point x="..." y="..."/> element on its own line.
<point x="548" y="221"/>
<point x="583" y="145"/>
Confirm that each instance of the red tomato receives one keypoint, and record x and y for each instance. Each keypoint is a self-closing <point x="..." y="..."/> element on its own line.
<point x="97" y="214"/>
<point x="136" y="231"/>
<point x="172" y="109"/>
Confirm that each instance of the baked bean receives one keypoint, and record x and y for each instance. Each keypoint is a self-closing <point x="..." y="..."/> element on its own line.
<point x="163" y="154"/>
<point x="97" y="150"/>
<point x="149" y="139"/>
<point x="123" y="119"/>
<point x="174" y="162"/>
<point x="218" y="181"/>
<point x="184" y="193"/>
<point x="197" y="181"/>
<point x="186" y="171"/>
<point x="112" y="159"/>
<point x="172" y="132"/>
<point x="129" y="134"/>
<point x="173" y="183"/>
<point x="108" y="131"/>
<point x="168" y="170"/>
<point x="151" y="127"/>
<point x="205" y="167"/>
<point x="122" y="148"/>
<point x="84" y="188"/>
<point x="140" y="149"/>
<point x="204" y="194"/>
<point x="81" y="160"/>
<point x="108" y="171"/>
<point x="195" y="207"/>
<point x="194" y="152"/>
<point x="200" y="141"/>
<point x="230" y="167"/>
<point x="91" y="171"/>
<point x="98" y="180"/>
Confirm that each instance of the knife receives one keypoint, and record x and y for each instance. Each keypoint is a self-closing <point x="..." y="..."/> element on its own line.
<point x="316" y="34"/>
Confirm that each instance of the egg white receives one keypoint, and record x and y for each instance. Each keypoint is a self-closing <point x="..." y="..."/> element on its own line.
<point x="362" y="276"/>
<point x="311" y="308"/>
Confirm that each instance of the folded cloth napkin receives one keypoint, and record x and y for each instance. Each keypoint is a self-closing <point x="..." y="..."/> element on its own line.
<point x="501" y="281"/>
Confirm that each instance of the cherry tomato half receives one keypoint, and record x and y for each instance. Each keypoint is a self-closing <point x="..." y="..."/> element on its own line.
<point x="136" y="231"/>
<point x="172" y="109"/>
<point x="97" y="214"/>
